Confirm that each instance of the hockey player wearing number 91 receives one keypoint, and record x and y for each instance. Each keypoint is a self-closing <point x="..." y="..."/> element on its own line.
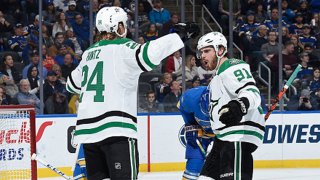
<point x="107" y="81"/>
<point x="235" y="112"/>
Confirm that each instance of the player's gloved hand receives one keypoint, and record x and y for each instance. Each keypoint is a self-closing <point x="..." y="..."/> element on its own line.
<point x="191" y="137"/>
<point x="232" y="113"/>
<point x="187" y="30"/>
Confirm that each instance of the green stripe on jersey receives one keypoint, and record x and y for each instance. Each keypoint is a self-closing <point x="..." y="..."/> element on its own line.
<point x="107" y="42"/>
<point x="245" y="132"/>
<point x="145" y="56"/>
<point x="105" y="126"/>
<point x="253" y="90"/>
<point x="228" y="63"/>
<point x="70" y="89"/>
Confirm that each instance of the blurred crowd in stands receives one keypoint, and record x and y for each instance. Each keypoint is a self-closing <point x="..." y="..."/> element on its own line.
<point x="66" y="31"/>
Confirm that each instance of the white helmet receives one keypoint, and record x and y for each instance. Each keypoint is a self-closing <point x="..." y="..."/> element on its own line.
<point x="108" y="19"/>
<point x="215" y="39"/>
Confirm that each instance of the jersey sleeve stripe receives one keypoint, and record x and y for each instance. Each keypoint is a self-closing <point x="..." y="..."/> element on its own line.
<point x="138" y="60"/>
<point x="70" y="89"/>
<point x="247" y="84"/>
<point x="105" y="115"/>
<point x="73" y="84"/>
<point x="146" y="57"/>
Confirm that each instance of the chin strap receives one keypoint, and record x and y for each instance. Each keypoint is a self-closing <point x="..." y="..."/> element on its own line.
<point x="122" y="35"/>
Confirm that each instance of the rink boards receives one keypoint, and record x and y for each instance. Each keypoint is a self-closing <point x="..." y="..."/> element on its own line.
<point x="291" y="140"/>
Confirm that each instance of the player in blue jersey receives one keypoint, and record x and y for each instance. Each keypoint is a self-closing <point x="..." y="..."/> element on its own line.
<point x="193" y="106"/>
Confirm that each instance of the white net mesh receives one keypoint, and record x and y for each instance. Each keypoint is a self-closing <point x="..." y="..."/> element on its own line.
<point x="15" y="146"/>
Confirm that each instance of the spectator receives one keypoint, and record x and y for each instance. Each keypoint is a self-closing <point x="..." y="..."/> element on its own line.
<point x="34" y="61"/>
<point x="159" y="15"/>
<point x="5" y="28"/>
<point x="303" y="102"/>
<point x="314" y="58"/>
<point x="57" y="104"/>
<point x="143" y="19"/>
<point x="259" y="39"/>
<point x="305" y="11"/>
<point x="163" y="88"/>
<point x="25" y="97"/>
<point x="260" y="14"/>
<point x="141" y="39"/>
<point x="305" y="74"/>
<point x="287" y="13"/>
<point x="152" y="33"/>
<point x="18" y="42"/>
<point x="7" y="68"/>
<point x="49" y="16"/>
<point x="315" y="81"/>
<point x="11" y="88"/>
<point x="57" y="69"/>
<point x="289" y="61"/>
<point x="47" y="39"/>
<point x="150" y="104"/>
<point x="306" y="37"/>
<point x="34" y="80"/>
<point x="249" y="27"/>
<point x="81" y="28"/>
<point x="47" y="61"/>
<point x="271" y="48"/>
<point x="171" y="99"/>
<point x="167" y="27"/>
<point x="272" y="23"/>
<point x="58" y="40"/>
<point x="71" y="12"/>
<point x="298" y="47"/>
<point x="4" y="98"/>
<point x="78" y="45"/>
<point x="191" y="70"/>
<point x="255" y="44"/>
<point x="285" y="35"/>
<point x="195" y="82"/>
<point x="51" y="85"/>
<point x="297" y="27"/>
<point x="59" y="58"/>
<point x="68" y="65"/>
<point x="61" y="24"/>
<point x="174" y="62"/>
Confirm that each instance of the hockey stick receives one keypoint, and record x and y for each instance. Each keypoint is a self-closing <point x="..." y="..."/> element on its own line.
<point x="204" y="153"/>
<point x="284" y="89"/>
<point x="36" y="158"/>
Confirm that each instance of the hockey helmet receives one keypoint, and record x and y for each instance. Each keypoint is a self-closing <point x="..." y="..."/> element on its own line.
<point x="215" y="39"/>
<point x="108" y="19"/>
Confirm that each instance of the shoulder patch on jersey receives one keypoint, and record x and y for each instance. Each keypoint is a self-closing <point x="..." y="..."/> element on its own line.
<point x="107" y="42"/>
<point x="228" y="63"/>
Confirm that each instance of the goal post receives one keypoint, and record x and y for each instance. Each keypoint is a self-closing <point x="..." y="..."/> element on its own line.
<point x="17" y="142"/>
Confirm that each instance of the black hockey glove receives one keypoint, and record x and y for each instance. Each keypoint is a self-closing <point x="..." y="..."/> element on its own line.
<point x="191" y="137"/>
<point x="187" y="30"/>
<point x="232" y="113"/>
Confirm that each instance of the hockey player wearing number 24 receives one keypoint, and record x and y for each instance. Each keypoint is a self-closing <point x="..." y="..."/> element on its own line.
<point x="107" y="81"/>
<point x="193" y="105"/>
<point x="235" y="112"/>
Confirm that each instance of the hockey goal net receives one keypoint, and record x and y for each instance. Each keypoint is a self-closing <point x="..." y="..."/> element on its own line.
<point x="17" y="143"/>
